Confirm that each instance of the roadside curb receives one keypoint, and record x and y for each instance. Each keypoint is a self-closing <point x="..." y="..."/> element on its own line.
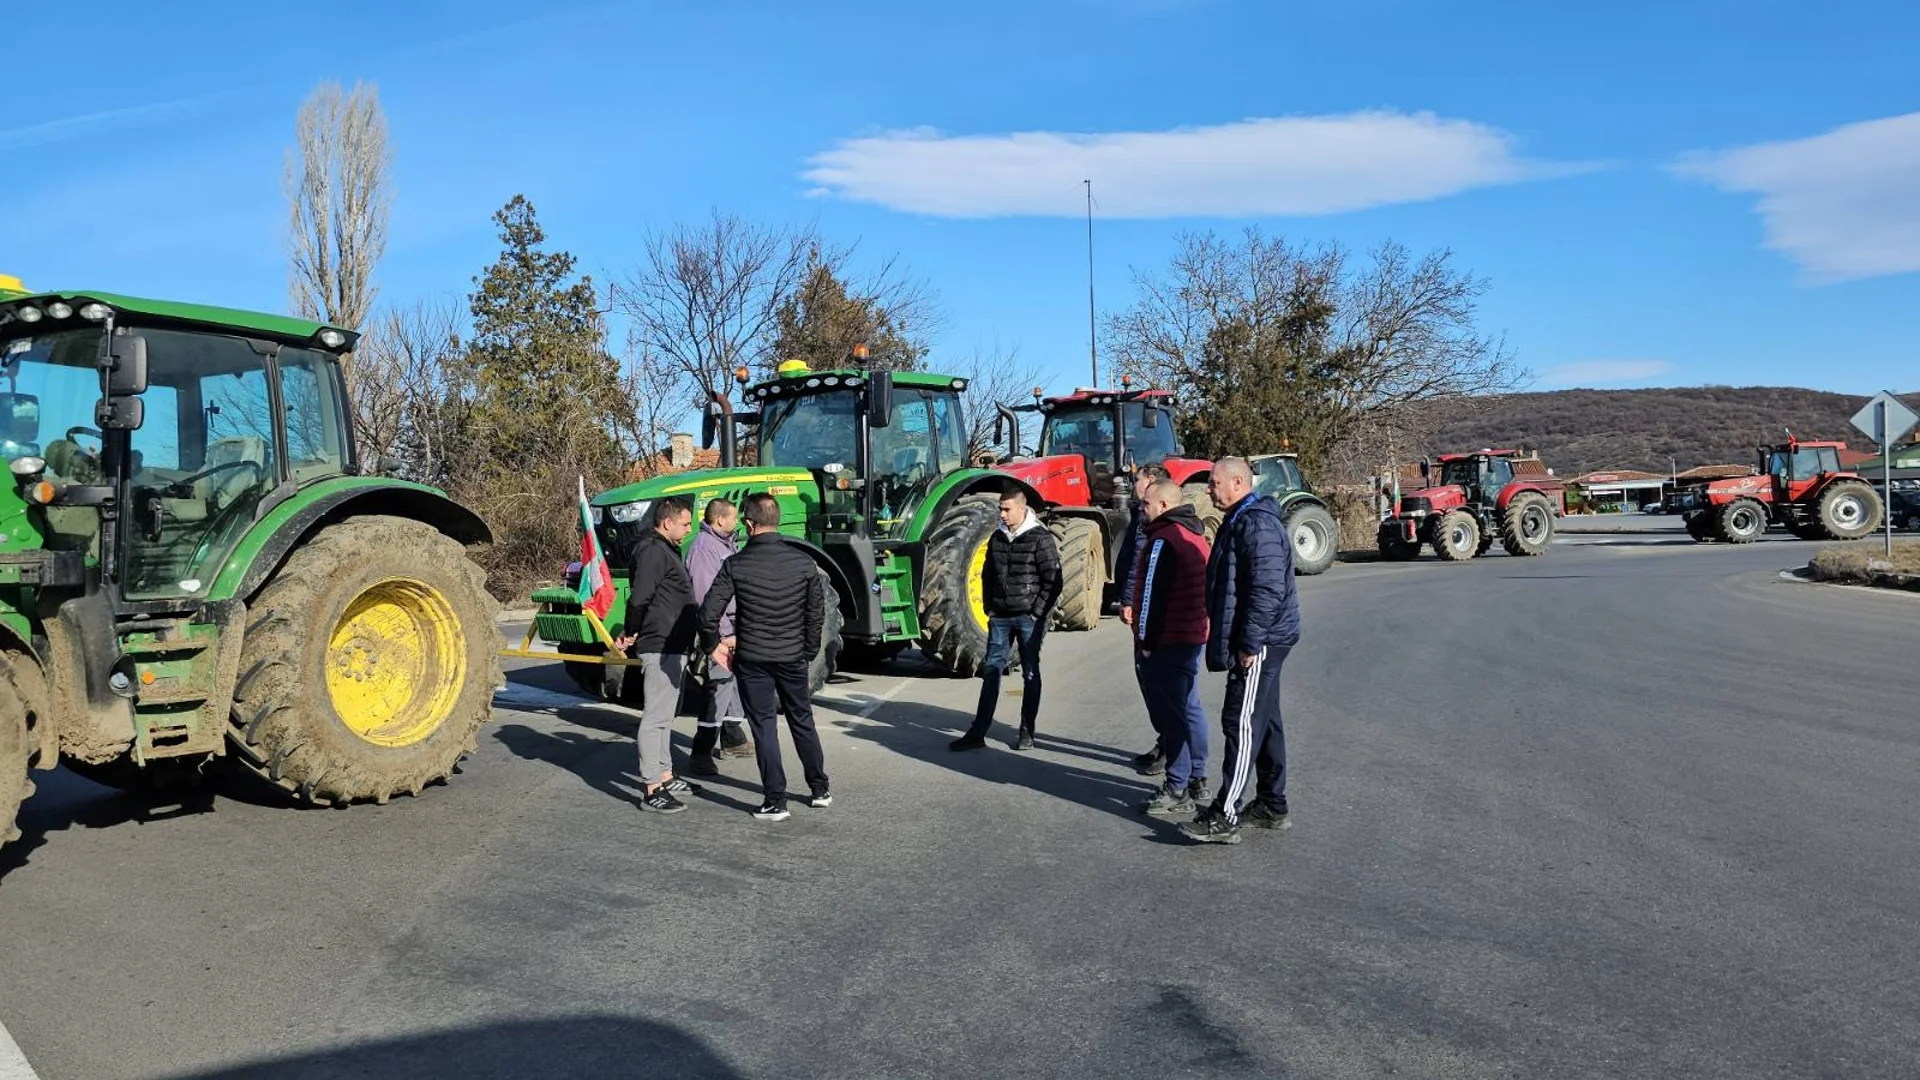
<point x="1884" y="581"/>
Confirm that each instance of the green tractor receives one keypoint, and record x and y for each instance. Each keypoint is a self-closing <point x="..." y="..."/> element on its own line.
<point x="196" y="567"/>
<point x="870" y="469"/>
<point x="1316" y="535"/>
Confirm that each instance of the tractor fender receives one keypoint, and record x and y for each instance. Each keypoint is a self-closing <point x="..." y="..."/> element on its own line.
<point x="960" y="484"/>
<point x="1514" y="491"/>
<point x="1184" y="471"/>
<point x="842" y="585"/>
<point x="266" y="546"/>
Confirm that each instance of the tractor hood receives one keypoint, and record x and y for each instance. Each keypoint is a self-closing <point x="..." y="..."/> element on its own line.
<point x="703" y="484"/>
<point x="1436" y="500"/>
<point x="1721" y="490"/>
<point x="1059" y="478"/>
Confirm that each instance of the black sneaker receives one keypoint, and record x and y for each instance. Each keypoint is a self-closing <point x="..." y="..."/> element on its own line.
<point x="680" y="787"/>
<point x="1209" y="827"/>
<point x="1262" y="816"/>
<point x="662" y="802"/>
<point x="1150" y="763"/>
<point x="1168" y="801"/>
<point x="1197" y="791"/>
<point x="772" y="810"/>
<point x="1023" y="741"/>
<point x="820" y="801"/>
<point x="968" y="742"/>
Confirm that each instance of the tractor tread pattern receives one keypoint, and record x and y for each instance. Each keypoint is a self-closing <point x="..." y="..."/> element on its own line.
<point x="1513" y="537"/>
<point x="282" y="726"/>
<point x="1308" y="509"/>
<point x="1823" y="514"/>
<point x="17" y="721"/>
<point x="1444" y="526"/>
<point x="1082" y="573"/>
<point x="949" y="636"/>
<point x="1730" y="511"/>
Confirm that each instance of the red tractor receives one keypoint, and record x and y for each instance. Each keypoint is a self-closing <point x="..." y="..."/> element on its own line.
<point x="1089" y="442"/>
<point x="1481" y="495"/>
<point x="1799" y="485"/>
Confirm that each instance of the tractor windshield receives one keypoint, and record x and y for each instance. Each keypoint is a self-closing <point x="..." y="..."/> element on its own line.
<point x="1276" y="475"/>
<point x="1459" y="472"/>
<point x="51" y="384"/>
<point x="1087" y="430"/>
<point x="810" y="431"/>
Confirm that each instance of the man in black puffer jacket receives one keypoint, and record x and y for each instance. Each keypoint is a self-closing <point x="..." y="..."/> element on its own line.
<point x="779" y="615"/>
<point x="658" y="632"/>
<point x="1021" y="583"/>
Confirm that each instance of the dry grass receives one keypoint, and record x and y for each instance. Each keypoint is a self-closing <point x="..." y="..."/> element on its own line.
<point x="1865" y="562"/>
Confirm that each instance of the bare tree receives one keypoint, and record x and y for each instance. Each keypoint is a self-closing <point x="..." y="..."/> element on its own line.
<point x="996" y="377"/>
<point x="339" y="193"/>
<point x="410" y="398"/>
<point x="1274" y="343"/>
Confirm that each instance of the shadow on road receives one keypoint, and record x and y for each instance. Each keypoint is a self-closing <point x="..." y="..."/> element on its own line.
<point x="572" y="1048"/>
<point x="610" y="767"/>
<point x="66" y="801"/>
<point x="923" y="732"/>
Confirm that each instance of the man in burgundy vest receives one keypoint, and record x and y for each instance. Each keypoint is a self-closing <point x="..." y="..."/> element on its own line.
<point x="1169" y="637"/>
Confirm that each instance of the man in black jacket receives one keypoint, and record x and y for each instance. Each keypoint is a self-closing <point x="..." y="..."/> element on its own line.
<point x="659" y="632"/>
<point x="779" y="616"/>
<point x="1021" y="583"/>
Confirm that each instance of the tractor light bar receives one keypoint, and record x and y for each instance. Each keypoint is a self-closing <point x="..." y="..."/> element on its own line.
<point x="28" y="314"/>
<point x="59" y="310"/>
<point x="628" y="513"/>
<point x="96" y="312"/>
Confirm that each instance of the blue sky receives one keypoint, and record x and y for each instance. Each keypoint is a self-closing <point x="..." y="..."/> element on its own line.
<point x="1659" y="193"/>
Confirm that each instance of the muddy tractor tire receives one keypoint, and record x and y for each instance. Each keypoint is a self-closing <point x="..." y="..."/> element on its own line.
<point x="16" y="751"/>
<point x="826" y="660"/>
<point x="1850" y="510"/>
<point x="1195" y="495"/>
<point x="1526" y="527"/>
<point x="1315" y="536"/>
<point x="1083" y="572"/>
<point x="953" y="620"/>
<point x="368" y="664"/>
<point x="1742" y="521"/>
<point x="1456" y="536"/>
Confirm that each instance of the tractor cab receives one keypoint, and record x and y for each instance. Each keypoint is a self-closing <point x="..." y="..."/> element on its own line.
<point x="1480" y="476"/>
<point x="1091" y="440"/>
<point x="1797" y="466"/>
<point x="154" y="436"/>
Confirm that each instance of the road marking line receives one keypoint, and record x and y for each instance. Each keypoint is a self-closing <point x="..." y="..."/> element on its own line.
<point x="13" y="1063"/>
<point x="869" y="703"/>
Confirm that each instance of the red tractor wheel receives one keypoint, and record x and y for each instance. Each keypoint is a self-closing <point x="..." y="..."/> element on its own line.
<point x="1456" y="537"/>
<point x="1743" y="521"/>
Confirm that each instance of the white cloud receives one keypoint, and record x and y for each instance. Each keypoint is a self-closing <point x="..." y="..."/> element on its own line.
<point x="1604" y="372"/>
<point x="1261" y="166"/>
<point x="1843" y="205"/>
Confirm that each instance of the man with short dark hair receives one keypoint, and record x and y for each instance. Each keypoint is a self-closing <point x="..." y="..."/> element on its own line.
<point x="778" y="623"/>
<point x="1145" y="475"/>
<point x="1253" y="617"/>
<point x="1020" y="584"/>
<point x="722" y="724"/>
<point x="659" y="632"/>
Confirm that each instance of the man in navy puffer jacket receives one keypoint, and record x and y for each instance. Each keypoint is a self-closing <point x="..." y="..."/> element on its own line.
<point x="1254" y="621"/>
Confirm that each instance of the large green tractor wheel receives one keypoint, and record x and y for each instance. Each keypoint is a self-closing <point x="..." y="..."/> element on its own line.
<point x="1083" y="572"/>
<point x="827" y="660"/>
<point x="16" y="751"/>
<point x="368" y="666"/>
<point x="1315" y="535"/>
<point x="953" y="613"/>
<point x="1195" y="495"/>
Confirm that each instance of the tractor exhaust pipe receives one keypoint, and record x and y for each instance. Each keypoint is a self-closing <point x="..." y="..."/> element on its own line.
<point x="1010" y="425"/>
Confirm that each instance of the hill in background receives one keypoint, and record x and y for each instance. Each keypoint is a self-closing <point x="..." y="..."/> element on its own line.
<point x="1580" y="431"/>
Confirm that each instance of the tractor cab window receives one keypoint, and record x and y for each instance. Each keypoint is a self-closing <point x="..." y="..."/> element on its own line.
<point x="318" y="426"/>
<point x="950" y="428"/>
<point x="811" y="431"/>
<point x="1148" y="444"/>
<point x="204" y="460"/>
<point x="1499" y="474"/>
<point x="1276" y="476"/>
<point x="1085" y="430"/>
<point x="907" y="456"/>
<point x="48" y="388"/>
<point x="1459" y="472"/>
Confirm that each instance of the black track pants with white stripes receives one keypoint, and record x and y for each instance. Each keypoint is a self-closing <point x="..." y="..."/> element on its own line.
<point x="1255" y="741"/>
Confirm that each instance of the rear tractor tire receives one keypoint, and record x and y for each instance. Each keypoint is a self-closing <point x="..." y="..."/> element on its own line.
<point x="953" y="616"/>
<point x="1195" y="495"/>
<point x="1315" y="536"/>
<point x="1742" y="521"/>
<point x="1702" y="525"/>
<point x="16" y="751"/>
<point x="1850" y="510"/>
<point x="1083" y="574"/>
<point x="1456" y="536"/>
<point x="1526" y="526"/>
<point x="368" y="666"/>
<point x="826" y="660"/>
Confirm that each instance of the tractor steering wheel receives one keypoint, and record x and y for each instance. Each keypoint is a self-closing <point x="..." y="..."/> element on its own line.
<point x="101" y="439"/>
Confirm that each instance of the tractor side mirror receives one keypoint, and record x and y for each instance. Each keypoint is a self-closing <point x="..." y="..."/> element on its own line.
<point x="120" y="413"/>
<point x="1426" y="471"/>
<point x="20" y="413"/>
<point x="125" y="359"/>
<point x="1151" y="418"/>
<point x="880" y="399"/>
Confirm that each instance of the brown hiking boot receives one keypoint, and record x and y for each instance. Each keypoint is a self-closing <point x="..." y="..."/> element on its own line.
<point x="745" y="749"/>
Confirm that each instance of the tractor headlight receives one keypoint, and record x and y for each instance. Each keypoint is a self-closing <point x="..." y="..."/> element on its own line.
<point x="628" y="513"/>
<point x="59" y="310"/>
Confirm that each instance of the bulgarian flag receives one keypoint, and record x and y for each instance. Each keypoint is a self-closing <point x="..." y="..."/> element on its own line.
<point x="596" y="581"/>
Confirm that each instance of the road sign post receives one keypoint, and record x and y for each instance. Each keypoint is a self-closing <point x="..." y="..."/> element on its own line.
<point x="1885" y="419"/>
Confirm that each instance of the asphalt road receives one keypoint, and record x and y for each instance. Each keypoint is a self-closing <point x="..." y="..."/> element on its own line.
<point x="1635" y="808"/>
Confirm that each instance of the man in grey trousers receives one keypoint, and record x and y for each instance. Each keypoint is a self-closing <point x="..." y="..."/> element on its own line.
<point x="660" y="627"/>
<point x="722" y="729"/>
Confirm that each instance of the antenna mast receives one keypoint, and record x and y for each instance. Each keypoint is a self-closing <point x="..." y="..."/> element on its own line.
<point x="1093" y="354"/>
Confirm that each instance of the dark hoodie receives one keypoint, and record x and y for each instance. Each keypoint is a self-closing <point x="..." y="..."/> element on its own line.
<point x="1250" y="595"/>
<point x="1170" y="581"/>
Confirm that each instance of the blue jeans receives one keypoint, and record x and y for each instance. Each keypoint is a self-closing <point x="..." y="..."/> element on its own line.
<point x="1170" y="679"/>
<point x="1002" y="632"/>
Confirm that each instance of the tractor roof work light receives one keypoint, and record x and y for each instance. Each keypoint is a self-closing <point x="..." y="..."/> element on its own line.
<point x="59" y="309"/>
<point x="96" y="312"/>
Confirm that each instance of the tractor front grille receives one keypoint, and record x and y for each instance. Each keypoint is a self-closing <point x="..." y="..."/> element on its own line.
<point x="1415" y="505"/>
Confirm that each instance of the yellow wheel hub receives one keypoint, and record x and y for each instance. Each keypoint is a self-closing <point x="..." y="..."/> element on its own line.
<point x="396" y="662"/>
<point x="976" y="585"/>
